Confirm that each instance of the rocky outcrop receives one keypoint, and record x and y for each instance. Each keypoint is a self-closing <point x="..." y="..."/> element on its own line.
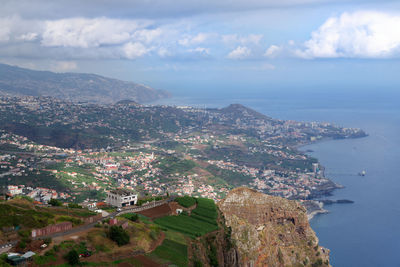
<point x="270" y="231"/>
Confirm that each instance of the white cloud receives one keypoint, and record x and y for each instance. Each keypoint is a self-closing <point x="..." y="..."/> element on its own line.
<point x="84" y="33"/>
<point x="244" y="40"/>
<point x="363" y="34"/>
<point x="30" y="36"/>
<point x="197" y="39"/>
<point x="5" y="30"/>
<point x="273" y="51"/>
<point x="147" y="36"/>
<point x="135" y="50"/>
<point x="164" y="52"/>
<point x="200" y="50"/>
<point x="240" y="52"/>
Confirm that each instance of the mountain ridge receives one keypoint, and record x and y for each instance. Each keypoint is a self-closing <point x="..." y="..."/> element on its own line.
<point x="75" y="87"/>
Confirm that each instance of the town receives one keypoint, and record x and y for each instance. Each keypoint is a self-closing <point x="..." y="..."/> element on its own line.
<point x="90" y="171"/>
<point x="185" y="150"/>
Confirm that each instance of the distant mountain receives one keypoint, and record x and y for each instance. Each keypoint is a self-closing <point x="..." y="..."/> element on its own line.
<point x="76" y="87"/>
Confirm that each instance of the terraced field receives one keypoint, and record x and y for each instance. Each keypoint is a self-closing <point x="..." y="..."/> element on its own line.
<point x="202" y="220"/>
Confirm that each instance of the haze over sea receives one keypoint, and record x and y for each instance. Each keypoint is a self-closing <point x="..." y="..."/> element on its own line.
<point x="365" y="233"/>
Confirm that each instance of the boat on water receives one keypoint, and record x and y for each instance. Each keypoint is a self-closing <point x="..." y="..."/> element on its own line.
<point x="362" y="173"/>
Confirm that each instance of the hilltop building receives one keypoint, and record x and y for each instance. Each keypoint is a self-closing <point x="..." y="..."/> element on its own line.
<point x="121" y="198"/>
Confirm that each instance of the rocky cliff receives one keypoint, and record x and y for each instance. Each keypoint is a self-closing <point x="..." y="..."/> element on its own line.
<point x="270" y="231"/>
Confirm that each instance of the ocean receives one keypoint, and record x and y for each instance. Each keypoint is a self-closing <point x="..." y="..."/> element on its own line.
<point x="367" y="232"/>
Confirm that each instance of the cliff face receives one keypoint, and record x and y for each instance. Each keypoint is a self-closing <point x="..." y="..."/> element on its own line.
<point x="270" y="231"/>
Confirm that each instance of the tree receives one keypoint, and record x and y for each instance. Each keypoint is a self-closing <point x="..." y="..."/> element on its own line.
<point x="74" y="206"/>
<point x="55" y="202"/>
<point x="72" y="257"/>
<point x="132" y="216"/>
<point x="119" y="235"/>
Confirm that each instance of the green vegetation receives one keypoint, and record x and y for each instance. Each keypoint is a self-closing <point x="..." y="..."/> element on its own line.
<point x="74" y="206"/>
<point x="73" y="220"/>
<point x="3" y="260"/>
<point x="25" y="215"/>
<point x="171" y="165"/>
<point x="317" y="263"/>
<point x="173" y="252"/>
<point x="202" y="220"/>
<point x="84" y="213"/>
<point x="11" y="215"/>
<point x="131" y="216"/>
<point x="72" y="257"/>
<point x="35" y="179"/>
<point x="212" y="253"/>
<point x="55" y="202"/>
<point x="119" y="235"/>
<point x="49" y="256"/>
<point x="144" y="219"/>
<point x="186" y="201"/>
<point x="186" y="224"/>
<point x="206" y="208"/>
<point x="10" y="148"/>
<point x="231" y="177"/>
<point x="24" y="197"/>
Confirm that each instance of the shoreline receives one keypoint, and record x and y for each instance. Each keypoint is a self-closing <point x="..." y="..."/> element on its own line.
<point x="311" y="215"/>
<point x="313" y="208"/>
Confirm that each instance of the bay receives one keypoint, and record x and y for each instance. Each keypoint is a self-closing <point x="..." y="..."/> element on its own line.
<point x="367" y="232"/>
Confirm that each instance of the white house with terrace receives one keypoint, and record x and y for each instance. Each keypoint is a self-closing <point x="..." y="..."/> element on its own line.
<point x="121" y="198"/>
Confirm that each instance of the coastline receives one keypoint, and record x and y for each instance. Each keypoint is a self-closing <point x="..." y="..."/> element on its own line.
<point x="311" y="215"/>
<point x="313" y="208"/>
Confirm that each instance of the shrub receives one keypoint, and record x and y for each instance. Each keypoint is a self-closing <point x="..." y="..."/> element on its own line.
<point x="119" y="235"/>
<point x="55" y="202"/>
<point x="74" y="206"/>
<point x="212" y="255"/>
<point x="197" y="263"/>
<point x="49" y="253"/>
<point x="22" y="244"/>
<point x="317" y="263"/>
<point x="25" y="233"/>
<point x="72" y="257"/>
<point x="3" y="260"/>
<point x="131" y="216"/>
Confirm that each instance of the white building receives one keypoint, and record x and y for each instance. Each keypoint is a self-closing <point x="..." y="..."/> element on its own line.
<point x="14" y="190"/>
<point x="121" y="198"/>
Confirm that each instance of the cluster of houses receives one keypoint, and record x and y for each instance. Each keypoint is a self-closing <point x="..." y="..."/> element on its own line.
<point x="39" y="194"/>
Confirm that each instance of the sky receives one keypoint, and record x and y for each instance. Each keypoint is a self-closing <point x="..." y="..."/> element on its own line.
<point x="208" y="46"/>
